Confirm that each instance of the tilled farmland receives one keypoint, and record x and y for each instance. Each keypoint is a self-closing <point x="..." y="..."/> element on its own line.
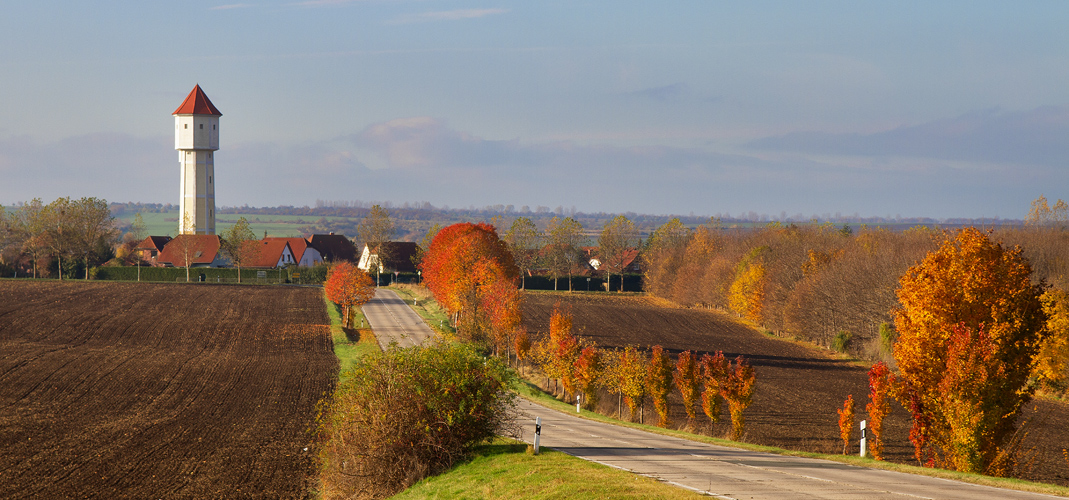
<point x="113" y="390"/>
<point x="798" y="388"/>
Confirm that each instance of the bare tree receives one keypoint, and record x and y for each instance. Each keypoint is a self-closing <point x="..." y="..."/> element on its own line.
<point x="618" y="238"/>
<point x="58" y="230"/>
<point x="187" y="243"/>
<point x="425" y="244"/>
<point x="663" y="254"/>
<point x="239" y="244"/>
<point x="563" y="251"/>
<point x="376" y="229"/>
<point x="523" y="239"/>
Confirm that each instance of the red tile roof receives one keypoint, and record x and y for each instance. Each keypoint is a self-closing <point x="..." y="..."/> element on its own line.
<point x="203" y="249"/>
<point x="197" y="103"/>
<point x="270" y="252"/>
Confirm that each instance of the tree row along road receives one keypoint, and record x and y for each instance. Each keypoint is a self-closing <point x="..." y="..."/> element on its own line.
<point x="720" y="471"/>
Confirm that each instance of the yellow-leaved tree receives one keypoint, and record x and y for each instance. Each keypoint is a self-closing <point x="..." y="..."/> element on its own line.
<point x="969" y="327"/>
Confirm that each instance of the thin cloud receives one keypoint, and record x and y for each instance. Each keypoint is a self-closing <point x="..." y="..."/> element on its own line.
<point x="447" y="15"/>
<point x="231" y="6"/>
<point x="661" y="94"/>
<point x="1034" y="137"/>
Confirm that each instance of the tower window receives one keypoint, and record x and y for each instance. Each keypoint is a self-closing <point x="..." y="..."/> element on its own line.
<point x="213" y="127"/>
<point x="202" y="126"/>
<point x="185" y="125"/>
<point x="209" y="179"/>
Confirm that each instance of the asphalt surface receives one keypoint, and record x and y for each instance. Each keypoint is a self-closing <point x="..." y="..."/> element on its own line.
<point x="719" y="471"/>
<point x="393" y="321"/>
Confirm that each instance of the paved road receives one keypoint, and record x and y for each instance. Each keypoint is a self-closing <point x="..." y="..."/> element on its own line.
<point x="731" y="473"/>
<point x="393" y="321"/>
<point x="723" y="472"/>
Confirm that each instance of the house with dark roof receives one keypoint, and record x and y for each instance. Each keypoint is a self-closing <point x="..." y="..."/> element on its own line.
<point x="333" y="247"/>
<point x="194" y="250"/>
<point x="398" y="257"/>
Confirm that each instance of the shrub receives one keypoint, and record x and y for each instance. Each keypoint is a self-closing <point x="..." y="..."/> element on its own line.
<point x="881" y="387"/>
<point x="841" y="342"/>
<point x="406" y="413"/>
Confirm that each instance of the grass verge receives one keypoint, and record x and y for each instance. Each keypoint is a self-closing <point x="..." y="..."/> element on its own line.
<point x="503" y="469"/>
<point x="349" y="344"/>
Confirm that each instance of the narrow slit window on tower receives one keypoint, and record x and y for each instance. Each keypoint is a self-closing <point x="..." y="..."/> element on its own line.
<point x="185" y="125"/>
<point x="213" y="127"/>
<point x="202" y="126"/>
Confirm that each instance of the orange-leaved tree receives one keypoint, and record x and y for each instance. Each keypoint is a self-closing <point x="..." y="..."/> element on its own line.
<point x="629" y="378"/>
<point x="738" y="390"/>
<point x="970" y="289"/>
<point x="846" y="422"/>
<point x="460" y="268"/>
<point x="881" y="386"/>
<point x="659" y="380"/>
<point x="1053" y="359"/>
<point x="349" y="287"/>
<point x="746" y="296"/>
<point x="588" y="372"/>
<point x="714" y="374"/>
<point x="687" y="372"/>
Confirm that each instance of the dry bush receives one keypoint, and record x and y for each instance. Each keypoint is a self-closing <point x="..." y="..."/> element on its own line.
<point x="408" y="413"/>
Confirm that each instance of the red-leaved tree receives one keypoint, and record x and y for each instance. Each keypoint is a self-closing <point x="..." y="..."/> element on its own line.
<point x="349" y="287"/>
<point x="881" y="385"/>
<point x="714" y="374"/>
<point x="588" y="371"/>
<point x="467" y="267"/>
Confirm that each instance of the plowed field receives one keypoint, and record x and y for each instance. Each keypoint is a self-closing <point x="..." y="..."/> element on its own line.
<point x="798" y="388"/>
<point x="112" y="390"/>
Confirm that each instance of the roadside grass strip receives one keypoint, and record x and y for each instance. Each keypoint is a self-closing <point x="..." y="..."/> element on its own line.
<point x="352" y="345"/>
<point x="503" y="469"/>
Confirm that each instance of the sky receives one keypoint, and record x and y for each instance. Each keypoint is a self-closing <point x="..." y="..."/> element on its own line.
<point x="793" y="109"/>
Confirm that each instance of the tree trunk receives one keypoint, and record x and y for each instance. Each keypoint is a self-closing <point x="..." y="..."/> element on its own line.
<point x="59" y="259"/>
<point x="239" y="273"/>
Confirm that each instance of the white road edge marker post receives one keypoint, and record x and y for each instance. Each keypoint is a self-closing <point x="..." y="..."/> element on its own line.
<point x="538" y="433"/>
<point x="864" y="438"/>
<point x="577" y="403"/>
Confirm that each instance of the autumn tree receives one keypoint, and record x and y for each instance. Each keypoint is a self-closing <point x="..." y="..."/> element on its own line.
<point x="376" y="230"/>
<point x="618" y="239"/>
<point x="460" y="268"/>
<point x="846" y="423"/>
<point x="59" y="231"/>
<point x="714" y="375"/>
<point x="738" y="390"/>
<point x="627" y="377"/>
<point x="1053" y="358"/>
<point x="523" y="240"/>
<point x="349" y="287"/>
<point x="588" y="373"/>
<point x="187" y="243"/>
<point x="240" y="245"/>
<point x="522" y="343"/>
<point x="747" y="293"/>
<point x="687" y="380"/>
<point x="971" y="290"/>
<point x="659" y="380"/>
<point x="562" y="253"/>
<point x="881" y="387"/>
<point x="663" y="254"/>
<point x="1041" y="214"/>
<point x="29" y="228"/>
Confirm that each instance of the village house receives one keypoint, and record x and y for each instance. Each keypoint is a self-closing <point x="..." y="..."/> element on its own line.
<point x="398" y="258"/>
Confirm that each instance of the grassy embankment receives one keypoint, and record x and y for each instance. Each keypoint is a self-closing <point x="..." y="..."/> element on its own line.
<point x="351" y="345"/>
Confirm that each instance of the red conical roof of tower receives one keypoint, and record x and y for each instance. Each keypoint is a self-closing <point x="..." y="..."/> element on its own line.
<point x="197" y="103"/>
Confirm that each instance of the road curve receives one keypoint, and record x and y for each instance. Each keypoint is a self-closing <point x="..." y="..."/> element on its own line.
<point x="393" y="321"/>
<point x="732" y="473"/>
